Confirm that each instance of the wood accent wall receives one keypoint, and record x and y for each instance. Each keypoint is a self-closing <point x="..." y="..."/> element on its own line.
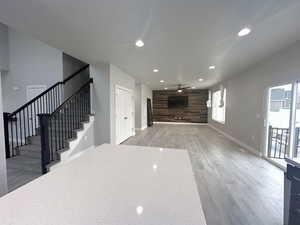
<point x="196" y="112"/>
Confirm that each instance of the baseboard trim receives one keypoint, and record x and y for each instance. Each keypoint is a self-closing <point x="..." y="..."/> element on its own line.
<point x="240" y="143"/>
<point x="181" y="123"/>
<point x="141" y="129"/>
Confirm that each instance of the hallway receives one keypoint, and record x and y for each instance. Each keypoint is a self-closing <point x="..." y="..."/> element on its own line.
<point x="235" y="187"/>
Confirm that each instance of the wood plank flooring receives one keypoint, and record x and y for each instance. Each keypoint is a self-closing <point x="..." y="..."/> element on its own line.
<point x="235" y="187"/>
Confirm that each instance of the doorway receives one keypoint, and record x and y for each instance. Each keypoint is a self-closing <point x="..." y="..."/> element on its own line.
<point x="124" y="114"/>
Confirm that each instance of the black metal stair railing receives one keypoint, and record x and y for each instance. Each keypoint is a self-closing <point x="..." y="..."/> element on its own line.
<point x="59" y="126"/>
<point x="24" y="122"/>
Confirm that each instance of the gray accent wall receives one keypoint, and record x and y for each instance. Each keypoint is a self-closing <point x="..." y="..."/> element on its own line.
<point x="247" y="96"/>
<point x="101" y="102"/>
<point x="70" y="66"/>
<point x="3" y="178"/>
<point x="138" y="108"/>
<point x="4" y="57"/>
<point x="3" y="66"/>
<point x="31" y="62"/>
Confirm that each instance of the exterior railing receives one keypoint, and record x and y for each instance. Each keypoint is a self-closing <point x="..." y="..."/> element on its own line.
<point x="278" y="144"/>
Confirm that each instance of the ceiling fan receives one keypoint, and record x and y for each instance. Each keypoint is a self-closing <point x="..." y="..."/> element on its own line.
<point x="182" y="87"/>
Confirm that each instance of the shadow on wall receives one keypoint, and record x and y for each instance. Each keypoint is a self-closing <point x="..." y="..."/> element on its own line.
<point x="70" y="66"/>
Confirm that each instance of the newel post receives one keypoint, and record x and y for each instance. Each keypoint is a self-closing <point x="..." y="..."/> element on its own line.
<point x="6" y="134"/>
<point x="45" y="147"/>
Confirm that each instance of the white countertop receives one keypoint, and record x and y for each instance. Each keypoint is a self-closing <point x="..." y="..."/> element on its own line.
<point x="111" y="185"/>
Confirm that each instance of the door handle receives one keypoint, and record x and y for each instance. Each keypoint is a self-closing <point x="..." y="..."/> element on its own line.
<point x="125" y="118"/>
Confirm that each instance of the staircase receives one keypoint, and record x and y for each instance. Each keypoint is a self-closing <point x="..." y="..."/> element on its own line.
<point x="37" y="132"/>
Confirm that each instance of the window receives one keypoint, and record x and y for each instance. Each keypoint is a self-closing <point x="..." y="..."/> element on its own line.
<point x="218" y="110"/>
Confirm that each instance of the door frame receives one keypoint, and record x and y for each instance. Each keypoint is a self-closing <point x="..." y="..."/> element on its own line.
<point x="291" y="122"/>
<point x="132" y="133"/>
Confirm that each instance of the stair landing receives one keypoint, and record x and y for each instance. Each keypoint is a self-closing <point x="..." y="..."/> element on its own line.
<point x="23" y="168"/>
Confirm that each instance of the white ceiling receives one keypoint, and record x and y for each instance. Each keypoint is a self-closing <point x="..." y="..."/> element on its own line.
<point x="182" y="37"/>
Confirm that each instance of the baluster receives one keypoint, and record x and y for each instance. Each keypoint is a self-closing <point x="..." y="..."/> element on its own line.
<point x="28" y="125"/>
<point x="24" y="128"/>
<point x="31" y="120"/>
<point x="17" y="139"/>
<point x="34" y="117"/>
<point x="20" y="125"/>
<point x="12" y="137"/>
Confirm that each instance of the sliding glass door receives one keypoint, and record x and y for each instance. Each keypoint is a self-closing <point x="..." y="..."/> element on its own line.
<point x="296" y="122"/>
<point x="284" y="122"/>
<point x="279" y="120"/>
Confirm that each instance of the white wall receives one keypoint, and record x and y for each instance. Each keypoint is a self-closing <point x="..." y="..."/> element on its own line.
<point x="31" y="62"/>
<point x="101" y="102"/>
<point x="246" y="96"/>
<point x="4" y="57"/>
<point x="138" y="108"/>
<point x="3" y="179"/>
<point x="118" y="77"/>
<point x="3" y="66"/>
<point x="146" y="93"/>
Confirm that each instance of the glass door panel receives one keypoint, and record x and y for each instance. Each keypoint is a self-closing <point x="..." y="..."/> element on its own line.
<point x="296" y="142"/>
<point x="279" y="113"/>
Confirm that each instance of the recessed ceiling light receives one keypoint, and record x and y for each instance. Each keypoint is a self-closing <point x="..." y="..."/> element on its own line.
<point x="155" y="70"/>
<point x="161" y="81"/>
<point x="166" y="88"/>
<point x="139" y="43"/>
<point x="245" y="31"/>
<point x="139" y="210"/>
<point x="212" y="67"/>
<point x="179" y="91"/>
<point x="200" y="79"/>
<point x="154" y="167"/>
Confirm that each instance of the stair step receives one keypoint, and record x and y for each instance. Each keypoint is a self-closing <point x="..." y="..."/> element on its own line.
<point x="36" y="140"/>
<point x="29" y="156"/>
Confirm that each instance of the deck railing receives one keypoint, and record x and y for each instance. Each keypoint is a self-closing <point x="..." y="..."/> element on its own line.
<point x="278" y="144"/>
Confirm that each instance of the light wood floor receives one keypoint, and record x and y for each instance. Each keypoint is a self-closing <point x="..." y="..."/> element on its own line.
<point x="235" y="187"/>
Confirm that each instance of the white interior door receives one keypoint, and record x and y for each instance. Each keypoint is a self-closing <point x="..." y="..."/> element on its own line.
<point x="124" y="114"/>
